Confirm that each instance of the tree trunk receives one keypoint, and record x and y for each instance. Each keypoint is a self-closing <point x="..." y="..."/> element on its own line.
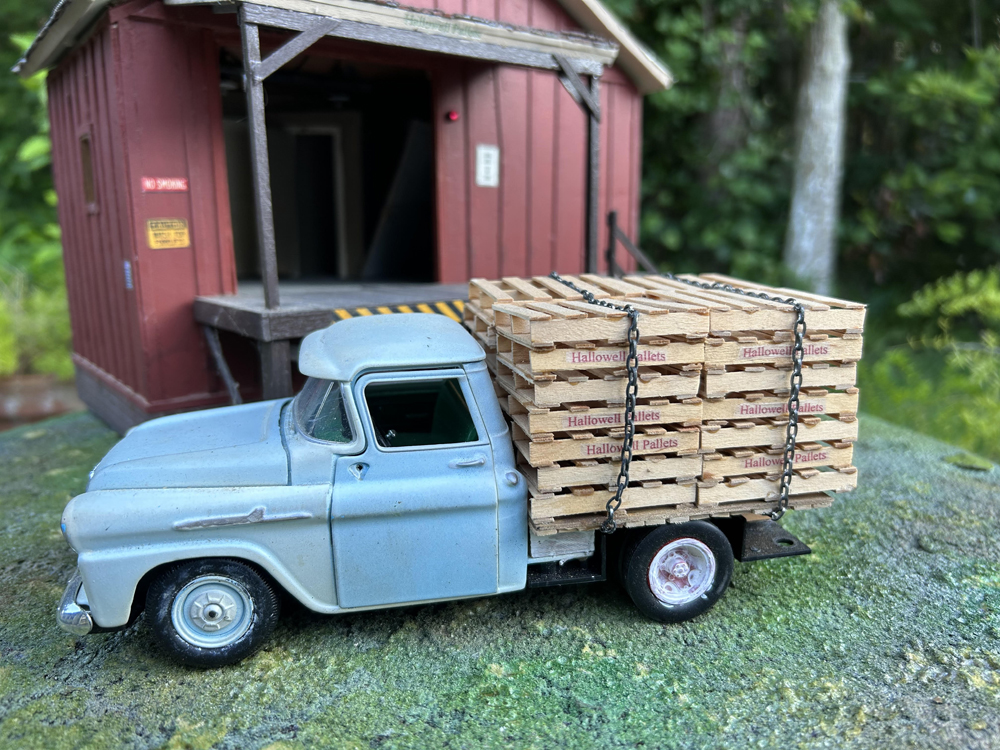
<point x="726" y="126"/>
<point x="810" y="245"/>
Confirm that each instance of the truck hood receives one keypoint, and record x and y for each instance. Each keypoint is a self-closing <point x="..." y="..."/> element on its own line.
<point x="236" y="446"/>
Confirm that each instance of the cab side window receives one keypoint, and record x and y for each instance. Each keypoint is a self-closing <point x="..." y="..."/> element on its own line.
<point x="420" y="412"/>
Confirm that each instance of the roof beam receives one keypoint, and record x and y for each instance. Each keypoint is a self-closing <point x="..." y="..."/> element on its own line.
<point x="294" y="47"/>
<point x="540" y="54"/>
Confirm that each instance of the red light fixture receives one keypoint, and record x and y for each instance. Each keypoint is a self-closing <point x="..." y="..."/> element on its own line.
<point x="452" y="115"/>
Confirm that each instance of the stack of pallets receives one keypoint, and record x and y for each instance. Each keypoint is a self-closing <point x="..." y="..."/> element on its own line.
<point x="745" y="388"/>
<point x="713" y="381"/>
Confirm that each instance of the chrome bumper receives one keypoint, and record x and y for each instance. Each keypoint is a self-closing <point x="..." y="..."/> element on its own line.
<point x="71" y="616"/>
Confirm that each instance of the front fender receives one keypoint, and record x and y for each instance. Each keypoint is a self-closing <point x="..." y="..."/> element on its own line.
<point x="121" y="535"/>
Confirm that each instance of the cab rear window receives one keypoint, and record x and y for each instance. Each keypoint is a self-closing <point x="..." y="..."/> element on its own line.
<point x="420" y="412"/>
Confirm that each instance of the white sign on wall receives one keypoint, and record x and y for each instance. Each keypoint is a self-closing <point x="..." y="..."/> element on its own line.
<point x="487" y="165"/>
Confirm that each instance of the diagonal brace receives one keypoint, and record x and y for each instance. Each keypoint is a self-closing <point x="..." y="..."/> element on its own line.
<point x="294" y="47"/>
<point x="577" y="88"/>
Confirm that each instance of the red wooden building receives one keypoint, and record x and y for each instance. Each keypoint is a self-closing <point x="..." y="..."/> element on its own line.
<point x="258" y="170"/>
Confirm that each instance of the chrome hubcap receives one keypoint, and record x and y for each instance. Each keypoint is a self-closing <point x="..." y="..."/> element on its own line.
<point x="212" y="611"/>
<point x="681" y="572"/>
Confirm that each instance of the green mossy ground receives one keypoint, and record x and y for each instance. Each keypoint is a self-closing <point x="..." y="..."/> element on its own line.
<point x="887" y="636"/>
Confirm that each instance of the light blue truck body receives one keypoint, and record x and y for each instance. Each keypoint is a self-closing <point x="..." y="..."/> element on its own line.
<point x="341" y="526"/>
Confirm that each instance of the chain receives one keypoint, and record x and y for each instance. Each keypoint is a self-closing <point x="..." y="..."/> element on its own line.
<point x="632" y="364"/>
<point x="631" y="394"/>
<point x="795" y="382"/>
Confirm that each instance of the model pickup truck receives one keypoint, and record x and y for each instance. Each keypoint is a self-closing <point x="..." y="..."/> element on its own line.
<point x="389" y="480"/>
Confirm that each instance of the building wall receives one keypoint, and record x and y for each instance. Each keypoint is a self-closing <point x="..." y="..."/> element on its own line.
<point x="145" y="92"/>
<point x="535" y="221"/>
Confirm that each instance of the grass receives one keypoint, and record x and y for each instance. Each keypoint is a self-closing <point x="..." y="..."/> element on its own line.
<point x="887" y="636"/>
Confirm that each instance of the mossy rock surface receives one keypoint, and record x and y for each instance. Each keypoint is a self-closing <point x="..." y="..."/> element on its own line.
<point x="888" y="636"/>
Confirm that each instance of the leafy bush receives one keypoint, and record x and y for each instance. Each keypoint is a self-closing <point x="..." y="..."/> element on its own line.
<point x="34" y="318"/>
<point x="946" y="381"/>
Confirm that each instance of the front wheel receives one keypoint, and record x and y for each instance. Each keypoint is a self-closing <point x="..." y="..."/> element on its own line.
<point x="677" y="572"/>
<point x="209" y="613"/>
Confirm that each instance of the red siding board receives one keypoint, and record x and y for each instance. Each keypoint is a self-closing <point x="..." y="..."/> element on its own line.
<point x="481" y="9"/>
<point x="549" y="15"/>
<point x="514" y="167"/>
<point x="541" y="153"/>
<point x="636" y="199"/>
<point x="111" y="292"/>
<point x="122" y="218"/>
<point x="570" y="199"/>
<point x="517" y="12"/>
<point x="482" y="123"/>
<point x="451" y="170"/>
<point x="445" y="6"/>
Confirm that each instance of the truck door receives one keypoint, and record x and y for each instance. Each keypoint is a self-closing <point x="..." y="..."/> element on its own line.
<point x="414" y="517"/>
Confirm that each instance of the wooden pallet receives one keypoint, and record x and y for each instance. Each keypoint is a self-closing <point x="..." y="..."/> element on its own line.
<point x="485" y="293"/>
<point x="545" y="324"/>
<point x="585" y="500"/>
<point x="743" y="378"/>
<point x="812" y="402"/>
<point x="601" y="355"/>
<point x="734" y="462"/>
<point x="730" y="312"/>
<point x="770" y="432"/>
<point x="581" y="446"/>
<point x="776" y="348"/>
<point x="480" y="325"/>
<point x="604" y="472"/>
<point x="630" y="518"/>
<point x="756" y="487"/>
<point x="541" y="422"/>
<point x="604" y="386"/>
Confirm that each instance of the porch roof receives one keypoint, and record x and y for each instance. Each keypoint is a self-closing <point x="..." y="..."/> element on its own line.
<point x="606" y="40"/>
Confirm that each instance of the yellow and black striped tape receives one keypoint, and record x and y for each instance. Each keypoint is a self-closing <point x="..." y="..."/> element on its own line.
<point x="453" y="310"/>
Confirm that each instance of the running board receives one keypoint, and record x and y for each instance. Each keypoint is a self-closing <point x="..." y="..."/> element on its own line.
<point x="591" y="569"/>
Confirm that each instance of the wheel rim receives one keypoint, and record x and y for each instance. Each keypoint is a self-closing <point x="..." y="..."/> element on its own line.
<point x="212" y="611"/>
<point x="682" y="572"/>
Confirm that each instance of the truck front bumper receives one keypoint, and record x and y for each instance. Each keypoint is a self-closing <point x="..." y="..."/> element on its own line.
<point x="71" y="616"/>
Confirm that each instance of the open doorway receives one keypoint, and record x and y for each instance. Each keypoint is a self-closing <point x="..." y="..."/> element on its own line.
<point x="350" y="148"/>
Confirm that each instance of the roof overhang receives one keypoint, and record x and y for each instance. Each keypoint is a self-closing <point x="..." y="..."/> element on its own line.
<point x="393" y="24"/>
<point x="645" y="69"/>
<point x="451" y="35"/>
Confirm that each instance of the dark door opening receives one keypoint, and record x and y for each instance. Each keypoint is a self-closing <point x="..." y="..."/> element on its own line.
<point x="350" y="149"/>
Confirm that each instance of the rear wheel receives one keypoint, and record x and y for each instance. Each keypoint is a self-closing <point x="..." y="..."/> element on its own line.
<point x="209" y="613"/>
<point x="677" y="572"/>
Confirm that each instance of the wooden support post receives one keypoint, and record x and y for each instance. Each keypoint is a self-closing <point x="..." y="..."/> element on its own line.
<point x="594" y="174"/>
<point x="275" y="368"/>
<point x="254" y="86"/>
<point x="590" y="102"/>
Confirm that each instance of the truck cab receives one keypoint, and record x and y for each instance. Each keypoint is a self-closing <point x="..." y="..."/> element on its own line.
<point x="389" y="480"/>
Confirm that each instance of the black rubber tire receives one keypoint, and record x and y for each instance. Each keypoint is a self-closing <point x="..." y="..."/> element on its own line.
<point x="164" y="589"/>
<point x="638" y="554"/>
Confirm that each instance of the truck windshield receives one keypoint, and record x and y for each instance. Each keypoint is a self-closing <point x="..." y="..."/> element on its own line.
<point x="320" y="412"/>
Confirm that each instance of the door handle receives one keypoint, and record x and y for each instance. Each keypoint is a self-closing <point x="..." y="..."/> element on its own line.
<point x="464" y="463"/>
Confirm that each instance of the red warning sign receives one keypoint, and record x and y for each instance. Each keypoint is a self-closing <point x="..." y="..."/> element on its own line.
<point x="164" y="184"/>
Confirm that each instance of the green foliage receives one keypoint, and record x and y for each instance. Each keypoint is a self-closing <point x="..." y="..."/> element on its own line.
<point x="947" y="382"/>
<point x="717" y="155"/>
<point x="34" y="320"/>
